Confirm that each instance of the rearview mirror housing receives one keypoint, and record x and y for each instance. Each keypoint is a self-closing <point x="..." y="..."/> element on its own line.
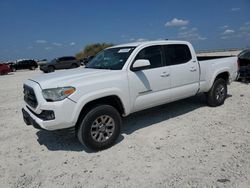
<point x="140" y="64"/>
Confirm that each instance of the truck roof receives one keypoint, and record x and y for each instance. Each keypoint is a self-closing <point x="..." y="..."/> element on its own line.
<point x="135" y="44"/>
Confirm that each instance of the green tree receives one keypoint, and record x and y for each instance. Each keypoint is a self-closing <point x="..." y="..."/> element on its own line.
<point x="92" y="50"/>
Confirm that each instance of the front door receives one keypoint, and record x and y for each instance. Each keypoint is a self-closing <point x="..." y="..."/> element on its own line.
<point x="150" y="87"/>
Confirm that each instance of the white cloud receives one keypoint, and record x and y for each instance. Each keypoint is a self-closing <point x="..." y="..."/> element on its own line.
<point x="57" y="44"/>
<point x="177" y="23"/>
<point x="228" y="31"/>
<point x="190" y="35"/>
<point x="41" y="41"/>
<point x="141" y="40"/>
<point x="29" y="48"/>
<point x="242" y="33"/>
<point x="224" y="27"/>
<point x="72" y="44"/>
<point x="235" y="9"/>
<point x="138" y="40"/>
<point x="48" y="48"/>
<point x="245" y="27"/>
<point x="183" y="28"/>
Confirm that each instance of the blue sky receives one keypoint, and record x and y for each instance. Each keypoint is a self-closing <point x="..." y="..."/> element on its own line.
<point x="51" y="28"/>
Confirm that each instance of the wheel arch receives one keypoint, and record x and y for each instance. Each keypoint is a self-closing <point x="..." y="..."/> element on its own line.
<point x="224" y="74"/>
<point x="112" y="100"/>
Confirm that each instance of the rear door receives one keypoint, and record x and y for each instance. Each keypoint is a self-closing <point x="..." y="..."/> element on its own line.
<point x="70" y="61"/>
<point x="184" y="71"/>
<point x="150" y="87"/>
<point x="24" y="64"/>
<point x="61" y="63"/>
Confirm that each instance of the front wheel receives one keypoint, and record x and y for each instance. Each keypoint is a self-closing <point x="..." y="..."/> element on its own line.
<point x="100" y="127"/>
<point x="32" y="68"/>
<point x="218" y="93"/>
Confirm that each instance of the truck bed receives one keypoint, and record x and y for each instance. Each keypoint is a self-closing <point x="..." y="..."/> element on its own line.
<point x="211" y="67"/>
<point x="203" y="58"/>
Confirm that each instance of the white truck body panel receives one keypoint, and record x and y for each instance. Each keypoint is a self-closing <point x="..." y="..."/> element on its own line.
<point x="137" y="90"/>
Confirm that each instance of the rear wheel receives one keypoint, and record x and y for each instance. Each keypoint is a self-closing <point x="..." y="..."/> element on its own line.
<point x="51" y="69"/>
<point x="100" y="127"/>
<point x="32" y="68"/>
<point x="74" y="66"/>
<point x="218" y="93"/>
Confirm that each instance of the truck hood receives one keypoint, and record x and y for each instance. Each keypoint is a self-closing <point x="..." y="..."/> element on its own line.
<point x="69" y="77"/>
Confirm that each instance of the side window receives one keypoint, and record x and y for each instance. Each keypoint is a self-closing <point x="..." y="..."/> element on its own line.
<point x="247" y="56"/>
<point x="177" y="54"/>
<point x="154" y="54"/>
<point x="62" y="59"/>
<point x="66" y="58"/>
<point x="22" y="63"/>
<point x="71" y="58"/>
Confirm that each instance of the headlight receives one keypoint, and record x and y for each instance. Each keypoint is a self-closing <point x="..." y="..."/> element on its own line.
<point x="57" y="94"/>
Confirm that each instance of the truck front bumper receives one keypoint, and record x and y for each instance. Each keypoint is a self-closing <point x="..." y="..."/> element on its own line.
<point x="29" y="120"/>
<point x="47" y="115"/>
<point x="60" y="116"/>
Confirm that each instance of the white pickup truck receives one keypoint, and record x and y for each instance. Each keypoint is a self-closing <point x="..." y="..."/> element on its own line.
<point x="119" y="81"/>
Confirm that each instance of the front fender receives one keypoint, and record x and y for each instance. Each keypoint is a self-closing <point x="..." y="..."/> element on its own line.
<point x="86" y="98"/>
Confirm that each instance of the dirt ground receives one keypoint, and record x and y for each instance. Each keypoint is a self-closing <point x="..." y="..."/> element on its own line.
<point x="182" y="144"/>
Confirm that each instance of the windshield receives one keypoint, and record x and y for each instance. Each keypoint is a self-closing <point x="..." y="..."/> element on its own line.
<point x="112" y="58"/>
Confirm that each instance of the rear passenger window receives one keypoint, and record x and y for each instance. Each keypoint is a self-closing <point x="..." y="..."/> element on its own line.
<point x="70" y="58"/>
<point x="62" y="59"/>
<point x="177" y="54"/>
<point x="154" y="54"/>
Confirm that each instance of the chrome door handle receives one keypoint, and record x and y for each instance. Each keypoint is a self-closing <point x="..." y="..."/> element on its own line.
<point x="193" y="69"/>
<point x="165" y="74"/>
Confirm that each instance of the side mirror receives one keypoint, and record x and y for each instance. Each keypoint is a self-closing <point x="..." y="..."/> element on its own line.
<point x="140" y="64"/>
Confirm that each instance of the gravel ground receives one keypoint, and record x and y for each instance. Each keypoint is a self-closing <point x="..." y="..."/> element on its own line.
<point x="182" y="144"/>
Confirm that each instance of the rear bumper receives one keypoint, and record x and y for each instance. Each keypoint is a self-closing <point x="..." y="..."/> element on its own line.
<point x="244" y="72"/>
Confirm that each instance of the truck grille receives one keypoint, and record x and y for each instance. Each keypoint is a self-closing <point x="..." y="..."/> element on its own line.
<point x="29" y="96"/>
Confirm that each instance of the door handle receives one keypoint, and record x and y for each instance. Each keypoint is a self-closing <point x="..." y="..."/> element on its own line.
<point x="193" y="69"/>
<point x="164" y="74"/>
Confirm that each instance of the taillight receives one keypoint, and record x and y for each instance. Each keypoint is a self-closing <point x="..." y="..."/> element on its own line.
<point x="238" y="63"/>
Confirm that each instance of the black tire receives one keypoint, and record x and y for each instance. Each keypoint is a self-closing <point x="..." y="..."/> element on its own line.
<point x="13" y="69"/>
<point x="218" y="93"/>
<point x="88" y="130"/>
<point x="51" y="69"/>
<point x="74" y="66"/>
<point x="32" y="68"/>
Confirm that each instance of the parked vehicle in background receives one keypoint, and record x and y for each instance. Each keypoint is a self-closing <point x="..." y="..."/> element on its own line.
<point x="122" y="80"/>
<point x="12" y="66"/>
<point x="244" y="64"/>
<point x="87" y="60"/>
<point x="24" y="64"/>
<point x="42" y="62"/>
<point x="4" y="69"/>
<point x="67" y="62"/>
